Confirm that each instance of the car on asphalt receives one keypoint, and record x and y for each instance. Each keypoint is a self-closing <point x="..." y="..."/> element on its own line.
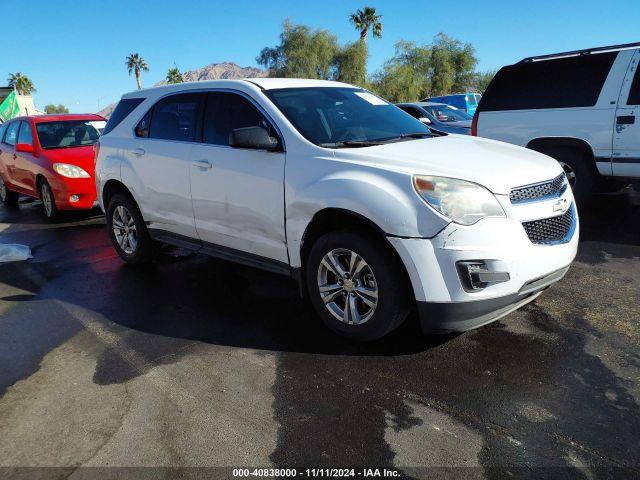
<point x="50" y="157"/>
<point x="439" y="116"/>
<point x="468" y="102"/>
<point x="580" y="107"/>
<point x="325" y="182"/>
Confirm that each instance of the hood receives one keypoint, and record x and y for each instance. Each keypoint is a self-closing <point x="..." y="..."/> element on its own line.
<point x="496" y="165"/>
<point x="82" y="157"/>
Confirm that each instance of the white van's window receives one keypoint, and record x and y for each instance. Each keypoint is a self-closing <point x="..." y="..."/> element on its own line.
<point x="556" y="83"/>
<point x="634" y="93"/>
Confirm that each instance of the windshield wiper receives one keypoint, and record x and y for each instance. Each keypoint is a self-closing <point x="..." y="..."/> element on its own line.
<point x="351" y="144"/>
<point x="410" y="135"/>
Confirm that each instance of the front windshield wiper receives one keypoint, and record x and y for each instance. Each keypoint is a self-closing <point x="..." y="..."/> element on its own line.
<point x="351" y="144"/>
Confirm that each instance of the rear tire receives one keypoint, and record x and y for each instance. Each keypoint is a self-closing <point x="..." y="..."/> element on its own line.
<point x="581" y="172"/>
<point x="364" y="293"/>
<point x="7" y="196"/>
<point x="48" y="201"/>
<point x="128" y="231"/>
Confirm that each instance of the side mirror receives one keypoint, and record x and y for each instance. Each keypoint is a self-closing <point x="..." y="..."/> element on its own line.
<point x="425" y="120"/>
<point x="24" y="147"/>
<point x="256" y="138"/>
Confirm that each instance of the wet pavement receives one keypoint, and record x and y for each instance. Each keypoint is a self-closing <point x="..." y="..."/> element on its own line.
<point x="196" y="362"/>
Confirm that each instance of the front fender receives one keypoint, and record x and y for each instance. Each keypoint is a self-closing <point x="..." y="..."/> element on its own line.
<point x="388" y="201"/>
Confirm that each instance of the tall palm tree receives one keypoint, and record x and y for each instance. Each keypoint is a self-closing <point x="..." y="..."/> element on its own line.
<point x="174" y="75"/>
<point x="22" y="83"/>
<point x="367" y="19"/>
<point x="136" y="64"/>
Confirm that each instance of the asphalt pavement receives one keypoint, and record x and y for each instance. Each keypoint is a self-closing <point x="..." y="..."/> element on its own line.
<point x="195" y="362"/>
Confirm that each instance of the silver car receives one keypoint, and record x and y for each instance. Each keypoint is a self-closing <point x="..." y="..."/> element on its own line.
<point x="440" y="116"/>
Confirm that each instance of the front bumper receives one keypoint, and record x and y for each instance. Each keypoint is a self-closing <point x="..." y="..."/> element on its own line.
<point x="83" y="188"/>
<point x="502" y="243"/>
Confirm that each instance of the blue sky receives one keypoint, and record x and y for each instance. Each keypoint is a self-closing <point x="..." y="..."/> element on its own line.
<point x="74" y="51"/>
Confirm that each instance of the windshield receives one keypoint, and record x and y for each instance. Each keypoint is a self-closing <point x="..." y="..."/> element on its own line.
<point x="67" y="134"/>
<point x="345" y="117"/>
<point x="445" y="113"/>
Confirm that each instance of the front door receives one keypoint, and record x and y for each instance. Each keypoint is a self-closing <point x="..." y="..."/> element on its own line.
<point x="24" y="163"/>
<point x="238" y="194"/>
<point x="626" y="137"/>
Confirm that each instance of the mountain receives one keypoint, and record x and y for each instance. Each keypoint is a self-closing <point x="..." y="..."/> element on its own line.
<point x="215" y="71"/>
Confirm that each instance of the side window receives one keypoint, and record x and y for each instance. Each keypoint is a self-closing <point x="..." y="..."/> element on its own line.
<point x="25" y="135"/>
<point x="414" y="112"/>
<point x="176" y="118"/>
<point x="122" y="110"/>
<point x="634" y="93"/>
<point x="12" y="133"/>
<point x="226" y="112"/>
<point x="142" y="129"/>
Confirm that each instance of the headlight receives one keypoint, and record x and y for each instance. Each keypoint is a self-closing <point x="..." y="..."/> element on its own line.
<point x="460" y="201"/>
<point x="70" y="171"/>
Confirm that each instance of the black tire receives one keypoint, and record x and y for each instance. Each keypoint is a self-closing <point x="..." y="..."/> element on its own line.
<point x="586" y="179"/>
<point x="49" y="207"/>
<point x="145" y="249"/>
<point x="7" y="196"/>
<point x="393" y="298"/>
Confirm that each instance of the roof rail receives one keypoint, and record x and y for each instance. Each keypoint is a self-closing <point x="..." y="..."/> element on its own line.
<point x="586" y="51"/>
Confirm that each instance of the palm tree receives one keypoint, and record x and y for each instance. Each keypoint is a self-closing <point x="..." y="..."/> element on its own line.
<point x="367" y="19"/>
<point x="136" y="64"/>
<point x="22" y="83"/>
<point x="174" y="75"/>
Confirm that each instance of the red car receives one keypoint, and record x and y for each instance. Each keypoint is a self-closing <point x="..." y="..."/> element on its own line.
<point x="50" y="157"/>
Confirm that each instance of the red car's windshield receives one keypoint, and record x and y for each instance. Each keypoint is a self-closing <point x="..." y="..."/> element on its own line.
<point x="66" y="134"/>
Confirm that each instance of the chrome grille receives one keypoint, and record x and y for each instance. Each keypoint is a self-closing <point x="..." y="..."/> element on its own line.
<point x="539" y="191"/>
<point x="551" y="230"/>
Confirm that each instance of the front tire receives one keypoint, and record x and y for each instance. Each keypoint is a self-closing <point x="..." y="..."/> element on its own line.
<point x="48" y="201"/>
<point x="7" y="196"/>
<point x="128" y="231"/>
<point x="356" y="285"/>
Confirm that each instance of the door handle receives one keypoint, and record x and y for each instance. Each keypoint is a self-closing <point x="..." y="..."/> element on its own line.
<point x="625" y="120"/>
<point x="202" y="163"/>
<point x="138" y="151"/>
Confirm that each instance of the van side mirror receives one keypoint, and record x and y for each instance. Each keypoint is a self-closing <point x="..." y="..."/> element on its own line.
<point x="24" y="148"/>
<point x="425" y="120"/>
<point x="256" y="138"/>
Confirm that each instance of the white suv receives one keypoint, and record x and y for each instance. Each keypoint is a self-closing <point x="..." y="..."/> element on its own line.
<point x="580" y="107"/>
<point x="325" y="182"/>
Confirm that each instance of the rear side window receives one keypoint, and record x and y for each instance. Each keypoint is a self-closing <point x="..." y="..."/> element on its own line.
<point x="122" y="110"/>
<point x="25" y="135"/>
<point x="226" y="112"/>
<point x="558" y="83"/>
<point x="634" y="93"/>
<point x="12" y="133"/>
<point x="175" y="118"/>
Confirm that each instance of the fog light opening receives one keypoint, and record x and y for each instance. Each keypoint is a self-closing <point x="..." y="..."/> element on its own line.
<point x="74" y="198"/>
<point x="475" y="275"/>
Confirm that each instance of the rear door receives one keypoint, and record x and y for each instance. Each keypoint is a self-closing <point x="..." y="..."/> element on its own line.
<point x="626" y="137"/>
<point x="159" y="160"/>
<point x="8" y="153"/>
<point x="238" y="194"/>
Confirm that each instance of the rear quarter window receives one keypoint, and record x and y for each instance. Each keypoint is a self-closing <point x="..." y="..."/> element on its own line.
<point x="557" y="83"/>
<point x="122" y="111"/>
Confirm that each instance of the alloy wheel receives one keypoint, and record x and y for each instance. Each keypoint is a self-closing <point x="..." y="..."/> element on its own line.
<point x="47" y="200"/>
<point x="124" y="229"/>
<point x="3" y="191"/>
<point x="347" y="286"/>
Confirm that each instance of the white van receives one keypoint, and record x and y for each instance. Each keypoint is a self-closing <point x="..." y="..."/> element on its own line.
<point x="371" y="212"/>
<point x="580" y="107"/>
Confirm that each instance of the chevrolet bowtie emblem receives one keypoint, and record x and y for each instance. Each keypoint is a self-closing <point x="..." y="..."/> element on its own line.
<point x="561" y="205"/>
